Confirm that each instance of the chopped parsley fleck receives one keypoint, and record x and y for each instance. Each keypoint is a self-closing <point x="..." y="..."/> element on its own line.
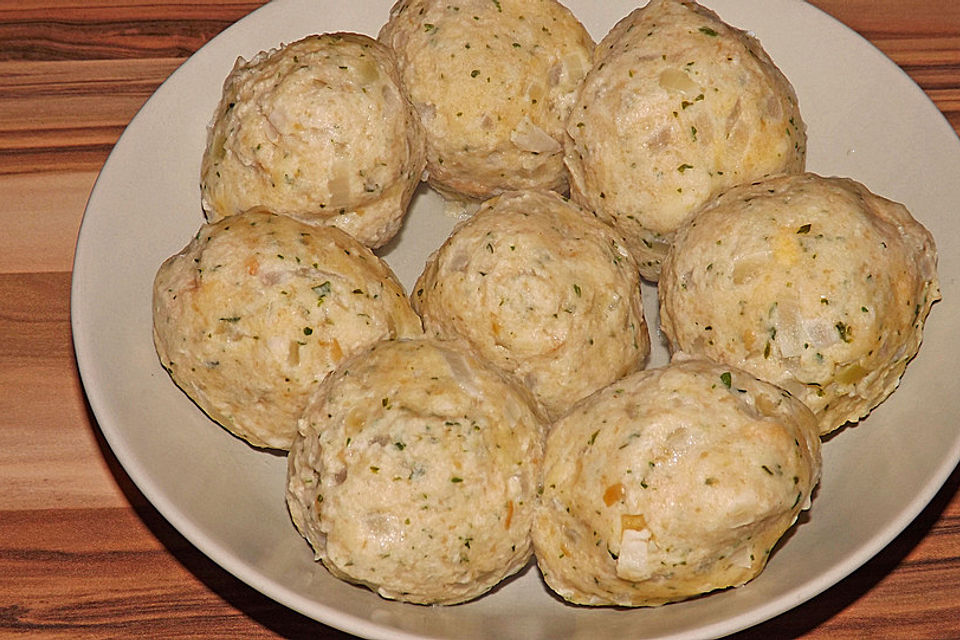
<point x="804" y="229"/>
<point x="726" y="379"/>
<point x="322" y="289"/>
<point x="845" y="331"/>
<point x="707" y="31"/>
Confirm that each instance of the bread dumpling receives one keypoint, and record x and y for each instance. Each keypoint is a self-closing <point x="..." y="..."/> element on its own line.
<point x="320" y="130"/>
<point x="678" y="107"/>
<point x="416" y="472"/>
<point x="493" y="82"/>
<point x="671" y="483"/>
<point x="813" y="283"/>
<point x="257" y="309"/>
<point x="543" y="290"/>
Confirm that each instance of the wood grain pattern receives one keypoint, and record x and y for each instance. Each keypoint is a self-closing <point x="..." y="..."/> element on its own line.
<point x="49" y="206"/>
<point x="82" y="553"/>
<point x="92" y="30"/>
<point x="922" y="38"/>
<point x="66" y="116"/>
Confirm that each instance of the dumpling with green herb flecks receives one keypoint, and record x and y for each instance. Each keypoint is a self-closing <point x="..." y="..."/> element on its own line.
<point x="813" y="283"/>
<point x="319" y="129"/>
<point x="258" y="308"/>
<point x="492" y="82"/>
<point x="416" y="472"/>
<point x="671" y="483"/>
<point x="543" y="290"/>
<point x="678" y="106"/>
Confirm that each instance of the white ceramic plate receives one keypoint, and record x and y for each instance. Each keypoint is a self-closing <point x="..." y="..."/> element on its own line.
<point x="866" y="120"/>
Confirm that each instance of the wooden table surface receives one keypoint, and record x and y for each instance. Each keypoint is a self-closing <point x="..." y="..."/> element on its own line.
<point x="82" y="553"/>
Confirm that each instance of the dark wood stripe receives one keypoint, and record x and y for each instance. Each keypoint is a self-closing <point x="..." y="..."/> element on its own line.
<point x="36" y="30"/>
<point x="130" y="575"/>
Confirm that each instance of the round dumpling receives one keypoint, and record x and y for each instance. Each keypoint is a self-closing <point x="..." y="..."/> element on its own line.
<point x="319" y="130"/>
<point x="493" y="82"/>
<point x="678" y="107"/>
<point x="671" y="483"/>
<point x="813" y="283"/>
<point x="542" y="289"/>
<point x="257" y="309"/>
<point x="416" y="472"/>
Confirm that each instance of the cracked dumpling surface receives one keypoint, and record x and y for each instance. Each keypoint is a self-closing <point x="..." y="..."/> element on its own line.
<point x="815" y="284"/>
<point x="670" y="483"/>
<point x="416" y="471"/>
<point x="677" y="107"/>
<point x="319" y="129"/>
<point x="542" y="289"/>
<point x="257" y="309"/>
<point x="493" y="82"/>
